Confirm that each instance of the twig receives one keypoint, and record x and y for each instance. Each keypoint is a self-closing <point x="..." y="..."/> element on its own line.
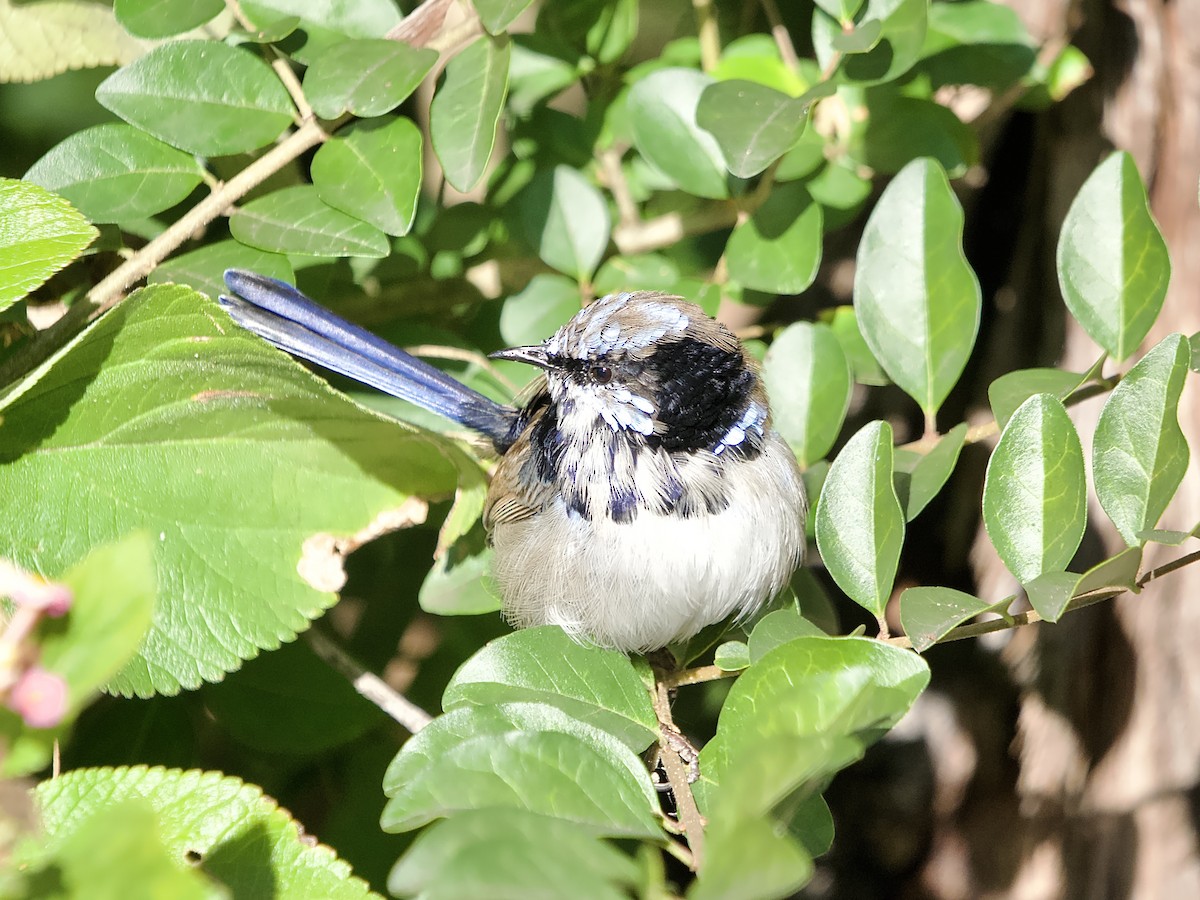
<point x="614" y="177"/>
<point x="698" y="675"/>
<point x="109" y="291"/>
<point x="458" y="354"/>
<point x="280" y="64"/>
<point x="677" y="775"/>
<point x="783" y="40"/>
<point x="707" y="30"/>
<point x="368" y="684"/>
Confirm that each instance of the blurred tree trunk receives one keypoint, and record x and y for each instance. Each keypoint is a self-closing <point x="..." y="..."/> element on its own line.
<point x="1108" y="729"/>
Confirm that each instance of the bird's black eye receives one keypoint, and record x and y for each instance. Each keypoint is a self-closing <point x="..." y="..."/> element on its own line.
<point x="601" y="374"/>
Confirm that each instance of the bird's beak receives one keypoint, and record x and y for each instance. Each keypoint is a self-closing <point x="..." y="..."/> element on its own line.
<point x="535" y="355"/>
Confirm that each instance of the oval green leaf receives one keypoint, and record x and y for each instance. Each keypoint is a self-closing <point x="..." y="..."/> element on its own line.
<point x="917" y="299"/>
<point x="497" y="15"/>
<point x="566" y="220"/>
<point x="209" y="815"/>
<point x="929" y="613"/>
<point x="365" y="77"/>
<point x="534" y="314"/>
<point x="40" y="233"/>
<point x="295" y="220"/>
<point x="778" y="249"/>
<point x="919" y="477"/>
<point x="860" y="525"/>
<point x="808" y="380"/>
<point x="1113" y="265"/>
<point x="1139" y="453"/>
<point x="1009" y="391"/>
<point x="599" y="687"/>
<point x="204" y="269"/>
<point x="200" y="96"/>
<point x="466" y="110"/>
<point x="662" y="112"/>
<point x="164" y="18"/>
<point x="372" y="171"/>
<point x="1035" y="495"/>
<point x="116" y="173"/>
<point x="754" y="124"/>
<point x="901" y="37"/>
<point x="503" y="853"/>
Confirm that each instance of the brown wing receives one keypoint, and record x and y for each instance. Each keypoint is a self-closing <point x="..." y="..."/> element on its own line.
<point x="515" y="492"/>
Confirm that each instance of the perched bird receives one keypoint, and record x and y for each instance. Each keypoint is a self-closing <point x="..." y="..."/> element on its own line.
<point x="641" y="493"/>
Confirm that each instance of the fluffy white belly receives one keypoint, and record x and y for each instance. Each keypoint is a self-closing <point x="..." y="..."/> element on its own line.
<point x="658" y="579"/>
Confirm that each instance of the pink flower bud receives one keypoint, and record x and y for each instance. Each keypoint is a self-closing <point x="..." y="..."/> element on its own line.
<point x="49" y="597"/>
<point x="39" y="697"/>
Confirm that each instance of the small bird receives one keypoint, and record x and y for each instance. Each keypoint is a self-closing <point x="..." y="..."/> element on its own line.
<point x="641" y="493"/>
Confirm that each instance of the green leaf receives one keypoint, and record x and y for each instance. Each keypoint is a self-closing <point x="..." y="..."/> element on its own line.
<point x="327" y="23"/>
<point x="599" y="687"/>
<point x="295" y="220"/>
<point x="204" y="269"/>
<point x="732" y="656"/>
<point x="279" y="467"/>
<point x="776" y="628"/>
<point x="534" y="314"/>
<point x="862" y="38"/>
<point x="38" y="41"/>
<point x="497" y="15"/>
<point x="1050" y="593"/>
<point x="116" y="173"/>
<point x="662" y="111"/>
<point x="243" y="839"/>
<point x="366" y="77"/>
<point x="813" y="687"/>
<point x="917" y="300"/>
<point x="929" y="613"/>
<point x="116" y="848"/>
<point x="566" y="220"/>
<point x="459" y="587"/>
<point x="753" y="860"/>
<point x="860" y="525"/>
<point x="372" y="171"/>
<point x="1009" y="391"/>
<point x="200" y="96"/>
<point x="754" y="124"/>
<point x="602" y="30"/>
<point x="1120" y="571"/>
<point x="808" y="380"/>
<point x="489" y="853"/>
<point x="843" y="10"/>
<point x="1139" y="453"/>
<point x="902" y="35"/>
<point x="547" y="772"/>
<point x="900" y="129"/>
<point x="778" y="249"/>
<point x="863" y="365"/>
<point x="290" y="701"/>
<point x="39" y="234"/>
<point x="976" y="42"/>
<point x="919" y="478"/>
<point x="466" y="110"/>
<point x="164" y="18"/>
<point x="1035" y="495"/>
<point x="1113" y="266"/>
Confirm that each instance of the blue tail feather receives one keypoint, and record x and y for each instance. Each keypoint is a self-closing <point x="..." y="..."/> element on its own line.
<point x="291" y="321"/>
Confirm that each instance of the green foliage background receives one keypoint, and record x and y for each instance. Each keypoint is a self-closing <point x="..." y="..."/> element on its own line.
<point x="462" y="178"/>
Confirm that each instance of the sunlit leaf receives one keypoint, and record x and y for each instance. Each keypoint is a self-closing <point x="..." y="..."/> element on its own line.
<point x="929" y="613"/>
<point x="365" y="77"/>
<point x="296" y="220"/>
<point x="566" y="220"/>
<point x="920" y="477"/>
<point x="466" y="110"/>
<point x="778" y="248"/>
<point x="39" y="234"/>
<point x="1139" y="453"/>
<point x="164" y="18"/>
<point x="1035" y="495"/>
<point x="808" y="379"/>
<point x="754" y="124"/>
<point x="1113" y="265"/>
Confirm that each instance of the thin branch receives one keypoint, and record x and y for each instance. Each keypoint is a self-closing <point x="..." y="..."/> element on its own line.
<point x="614" y="177"/>
<point x="108" y="292"/>
<point x="368" y="684"/>
<point x="677" y="775"/>
<point x="698" y="675"/>
<point x="783" y="40"/>
<point x="707" y="30"/>
<point x="458" y="354"/>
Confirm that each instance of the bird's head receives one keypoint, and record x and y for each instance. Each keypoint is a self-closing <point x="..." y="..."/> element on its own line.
<point x="654" y="368"/>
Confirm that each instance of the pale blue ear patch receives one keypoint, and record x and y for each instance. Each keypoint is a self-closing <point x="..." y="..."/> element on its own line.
<point x="752" y="421"/>
<point x="624" y="410"/>
<point x="617" y="322"/>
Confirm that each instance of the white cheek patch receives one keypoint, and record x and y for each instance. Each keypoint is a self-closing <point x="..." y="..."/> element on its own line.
<point x="619" y="408"/>
<point x="752" y="420"/>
